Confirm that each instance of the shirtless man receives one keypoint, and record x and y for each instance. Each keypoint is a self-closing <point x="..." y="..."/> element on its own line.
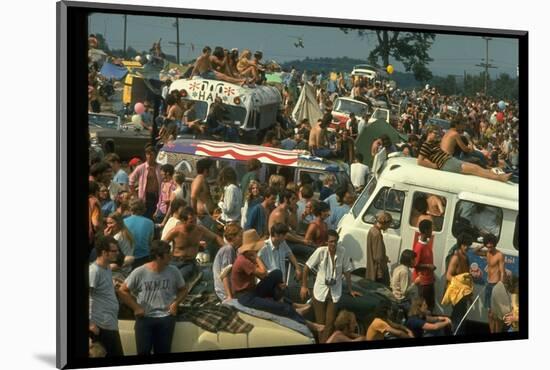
<point x="495" y="273"/>
<point x="200" y="191"/>
<point x="317" y="138"/>
<point x="174" y="111"/>
<point x="459" y="264"/>
<point x="186" y="238"/>
<point x="203" y="67"/>
<point x="432" y="156"/>
<point x="452" y="138"/>
<point x="281" y="214"/>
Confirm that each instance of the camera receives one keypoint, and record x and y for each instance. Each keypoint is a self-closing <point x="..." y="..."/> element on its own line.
<point x="330" y="282"/>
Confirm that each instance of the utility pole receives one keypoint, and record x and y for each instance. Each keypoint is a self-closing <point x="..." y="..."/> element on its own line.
<point x="125" y="24"/>
<point x="177" y="43"/>
<point x="486" y="63"/>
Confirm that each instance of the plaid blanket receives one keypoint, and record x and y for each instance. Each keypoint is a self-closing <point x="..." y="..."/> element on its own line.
<point x="205" y="311"/>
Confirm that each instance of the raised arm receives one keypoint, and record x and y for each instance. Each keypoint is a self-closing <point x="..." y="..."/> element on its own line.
<point x="210" y="236"/>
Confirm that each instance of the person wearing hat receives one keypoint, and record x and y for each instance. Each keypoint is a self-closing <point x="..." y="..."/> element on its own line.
<point x="266" y="294"/>
<point x="377" y="260"/>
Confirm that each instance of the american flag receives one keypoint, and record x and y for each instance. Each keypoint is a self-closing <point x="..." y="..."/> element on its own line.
<point x="241" y="152"/>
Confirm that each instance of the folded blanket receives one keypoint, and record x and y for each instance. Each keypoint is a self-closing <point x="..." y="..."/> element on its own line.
<point x="205" y="311"/>
<point x="283" y="321"/>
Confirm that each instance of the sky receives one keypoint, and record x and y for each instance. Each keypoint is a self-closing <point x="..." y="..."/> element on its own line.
<point x="452" y="54"/>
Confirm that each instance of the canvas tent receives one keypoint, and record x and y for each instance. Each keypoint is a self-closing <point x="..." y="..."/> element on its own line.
<point x="307" y="106"/>
<point x="372" y="132"/>
<point x="113" y="71"/>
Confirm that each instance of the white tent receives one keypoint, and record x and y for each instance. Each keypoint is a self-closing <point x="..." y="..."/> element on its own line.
<point x="307" y="106"/>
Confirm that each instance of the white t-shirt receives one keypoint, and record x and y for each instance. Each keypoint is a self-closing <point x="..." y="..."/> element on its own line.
<point x="170" y="224"/>
<point x="358" y="174"/>
<point x="326" y="271"/>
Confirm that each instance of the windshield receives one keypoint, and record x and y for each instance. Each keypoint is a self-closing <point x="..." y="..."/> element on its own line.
<point x="380" y="114"/>
<point x="201" y="109"/>
<point x="235" y="114"/>
<point x="103" y="121"/>
<point x="349" y="106"/>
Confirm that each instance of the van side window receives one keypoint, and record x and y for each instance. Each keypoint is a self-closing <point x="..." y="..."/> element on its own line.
<point x="313" y="178"/>
<point x="428" y="206"/>
<point x="391" y="201"/>
<point x="477" y="219"/>
<point x="364" y="197"/>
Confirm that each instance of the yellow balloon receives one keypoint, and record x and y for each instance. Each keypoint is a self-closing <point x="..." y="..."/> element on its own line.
<point x="389" y="68"/>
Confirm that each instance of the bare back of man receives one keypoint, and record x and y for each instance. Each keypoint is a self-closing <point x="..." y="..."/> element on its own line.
<point x="278" y="215"/>
<point x="175" y="112"/>
<point x="200" y="194"/>
<point x="451" y="140"/>
<point x="316" y="137"/>
<point x="202" y="65"/>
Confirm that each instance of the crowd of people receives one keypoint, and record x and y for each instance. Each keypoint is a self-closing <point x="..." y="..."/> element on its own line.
<point x="145" y="236"/>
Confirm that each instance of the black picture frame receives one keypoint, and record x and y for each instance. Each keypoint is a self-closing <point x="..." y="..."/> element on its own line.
<point x="72" y="172"/>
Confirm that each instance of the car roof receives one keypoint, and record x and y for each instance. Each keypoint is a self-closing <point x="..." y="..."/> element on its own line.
<point x="474" y="188"/>
<point x="103" y="114"/>
<point x="351" y="100"/>
<point x="245" y="152"/>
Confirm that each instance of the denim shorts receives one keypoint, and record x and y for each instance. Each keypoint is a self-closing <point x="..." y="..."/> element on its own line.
<point x="452" y="165"/>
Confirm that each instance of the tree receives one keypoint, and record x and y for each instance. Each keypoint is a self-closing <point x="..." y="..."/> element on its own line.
<point x="409" y="48"/>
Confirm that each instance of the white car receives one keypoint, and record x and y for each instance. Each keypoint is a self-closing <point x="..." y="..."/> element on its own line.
<point x="365" y="70"/>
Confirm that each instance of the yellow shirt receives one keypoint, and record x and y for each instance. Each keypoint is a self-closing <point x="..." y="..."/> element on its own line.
<point x="377" y="329"/>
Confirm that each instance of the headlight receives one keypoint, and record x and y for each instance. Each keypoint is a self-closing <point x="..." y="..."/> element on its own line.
<point x="93" y="139"/>
<point x="162" y="158"/>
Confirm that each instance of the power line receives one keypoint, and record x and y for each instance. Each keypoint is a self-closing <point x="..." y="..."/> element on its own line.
<point x="486" y="65"/>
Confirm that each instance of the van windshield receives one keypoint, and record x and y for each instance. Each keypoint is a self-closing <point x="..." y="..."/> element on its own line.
<point x="348" y="106"/>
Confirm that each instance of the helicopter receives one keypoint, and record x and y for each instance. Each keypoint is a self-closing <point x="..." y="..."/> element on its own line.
<point x="299" y="43"/>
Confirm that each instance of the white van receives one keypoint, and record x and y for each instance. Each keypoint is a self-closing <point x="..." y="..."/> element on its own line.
<point x="250" y="109"/>
<point x="470" y="203"/>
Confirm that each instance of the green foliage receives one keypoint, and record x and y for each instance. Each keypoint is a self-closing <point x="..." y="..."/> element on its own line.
<point x="409" y="48"/>
<point x="504" y="87"/>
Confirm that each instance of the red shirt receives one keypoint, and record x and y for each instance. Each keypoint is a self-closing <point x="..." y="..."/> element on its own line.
<point x="242" y="275"/>
<point x="424" y="256"/>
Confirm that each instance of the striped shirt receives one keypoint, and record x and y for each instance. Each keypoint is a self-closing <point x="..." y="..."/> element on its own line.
<point x="433" y="153"/>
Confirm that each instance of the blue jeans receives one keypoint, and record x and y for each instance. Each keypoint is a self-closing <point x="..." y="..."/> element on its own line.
<point x="459" y="310"/>
<point x="188" y="268"/>
<point x="151" y="200"/>
<point x="474" y="155"/>
<point x="154" y="333"/>
<point x="322" y="152"/>
<point x="266" y="295"/>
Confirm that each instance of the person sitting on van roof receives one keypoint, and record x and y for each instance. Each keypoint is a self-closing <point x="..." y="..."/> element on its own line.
<point x="203" y="67"/>
<point x="432" y="156"/>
